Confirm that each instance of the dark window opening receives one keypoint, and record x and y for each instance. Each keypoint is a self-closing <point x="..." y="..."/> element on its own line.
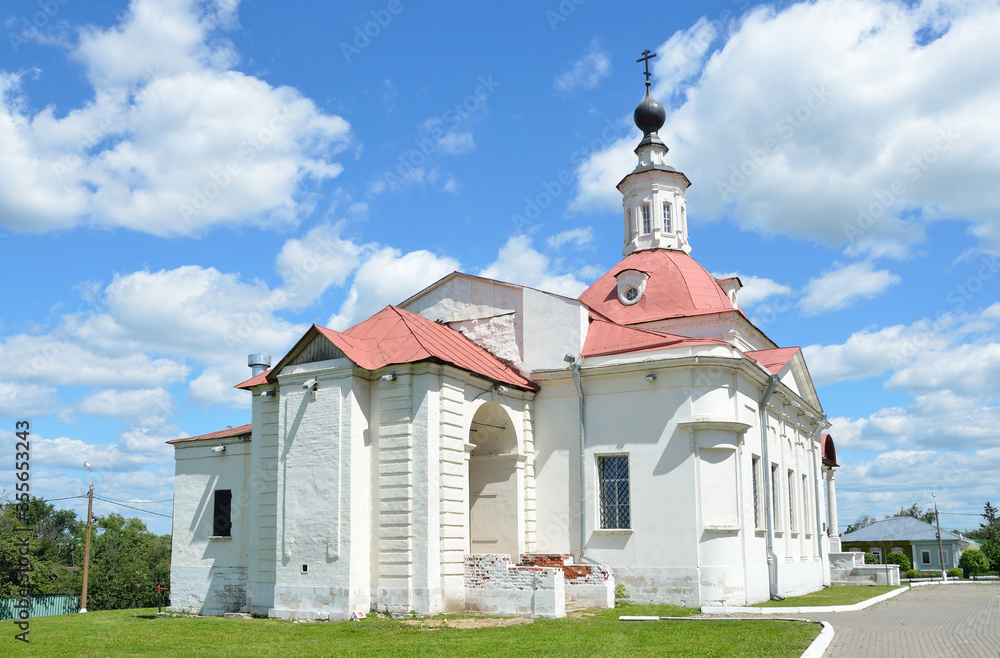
<point x="613" y="476"/>
<point x="222" y="522"/>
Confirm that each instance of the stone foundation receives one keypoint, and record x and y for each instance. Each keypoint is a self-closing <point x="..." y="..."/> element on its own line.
<point x="495" y="587"/>
<point x="587" y="585"/>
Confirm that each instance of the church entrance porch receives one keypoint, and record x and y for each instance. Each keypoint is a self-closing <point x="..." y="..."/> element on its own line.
<point x="494" y="500"/>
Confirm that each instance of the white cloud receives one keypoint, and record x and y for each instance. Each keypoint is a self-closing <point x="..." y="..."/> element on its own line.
<point x="26" y="400"/>
<point x="962" y="480"/>
<point x="388" y="276"/>
<point x="519" y="263"/>
<point x="215" y="384"/>
<point x="172" y="143"/>
<point x="451" y="185"/>
<point x="833" y="121"/>
<point x="194" y="311"/>
<point x="682" y="56"/>
<point x="456" y="143"/>
<point x="578" y="237"/>
<point x="756" y="288"/>
<point x="315" y="262"/>
<point x="948" y="368"/>
<point x="58" y="358"/>
<point x="135" y="450"/>
<point x="144" y="407"/>
<point x="843" y="285"/>
<point x="587" y="72"/>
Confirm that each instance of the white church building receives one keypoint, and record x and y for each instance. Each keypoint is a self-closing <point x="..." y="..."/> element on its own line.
<point x="488" y="446"/>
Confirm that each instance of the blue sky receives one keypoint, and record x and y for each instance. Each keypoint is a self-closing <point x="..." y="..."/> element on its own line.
<point x="187" y="181"/>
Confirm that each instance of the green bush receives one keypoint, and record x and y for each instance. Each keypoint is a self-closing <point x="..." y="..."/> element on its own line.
<point x="871" y="558"/>
<point x="900" y="559"/>
<point x="955" y="573"/>
<point x="974" y="563"/>
<point x="913" y="573"/>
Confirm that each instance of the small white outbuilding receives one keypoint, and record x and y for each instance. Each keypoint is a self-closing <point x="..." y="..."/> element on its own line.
<point x="645" y="434"/>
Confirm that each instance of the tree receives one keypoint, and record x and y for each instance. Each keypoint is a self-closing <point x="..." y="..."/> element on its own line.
<point x="900" y="559"/>
<point x="990" y="514"/>
<point x="927" y="516"/>
<point x="992" y="552"/>
<point x="127" y="561"/>
<point x="974" y="562"/>
<point x="126" y="565"/>
<point x="54" y="536"/>
<point x="863" y="521"/>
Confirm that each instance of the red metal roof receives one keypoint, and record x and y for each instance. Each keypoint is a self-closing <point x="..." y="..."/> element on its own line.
<point x="604" y="338"/>
<point x="829" y="450"/>
<point x="394" y="336"/>
<point x="773" y="360"/>
<point x="221" y="434"/>
<point x="677" y="287"/>
<point x="254" y="381"/>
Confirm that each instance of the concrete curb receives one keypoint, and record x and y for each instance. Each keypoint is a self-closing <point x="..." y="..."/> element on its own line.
<point x="729" y="610"/>
<point x="953" y="582"/>
<point x="821" y="643"/>
<point x="816" y="648"/>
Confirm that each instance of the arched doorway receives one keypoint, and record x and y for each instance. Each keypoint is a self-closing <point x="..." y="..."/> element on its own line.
<point x="493" y="506"/>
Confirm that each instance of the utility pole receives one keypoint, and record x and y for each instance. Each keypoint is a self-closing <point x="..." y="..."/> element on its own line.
<point x="937" y="518"/>
<point x="86" y="549"/>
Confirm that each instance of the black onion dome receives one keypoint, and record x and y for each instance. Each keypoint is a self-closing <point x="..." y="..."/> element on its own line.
<point x="649" y="116"/>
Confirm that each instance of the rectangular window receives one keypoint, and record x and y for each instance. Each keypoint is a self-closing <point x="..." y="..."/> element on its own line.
<point x="222" y="521"/>
<point x="755" y="471"/>
<point x="647" y="223"/>
<point x="793" y="524"/>
<point x="666" y="218"/>
<point x="774" y="496"/>
<point x="807" y="507"/>
<point x="612" y="473"/>
<point x="925" y="557"/>
<point x="877" y="552"/>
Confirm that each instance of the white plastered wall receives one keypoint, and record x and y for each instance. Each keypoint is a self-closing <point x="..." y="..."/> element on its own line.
<point x="208" y="575"/>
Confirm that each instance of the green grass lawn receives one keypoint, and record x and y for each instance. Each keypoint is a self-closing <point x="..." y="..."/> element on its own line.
<point x="596" y="633"/>
<point x="836" y="595"/>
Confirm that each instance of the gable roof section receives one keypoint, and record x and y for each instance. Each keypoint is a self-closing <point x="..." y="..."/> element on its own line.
<point x="605" y="338"/>
<point x="898" y="528"/>
<point x="677" y="287"/>
<point x="231" y="432"/>
<point x="776" y="361"/>
<point x="394" y="336"/>
<point x="789" y="365"/>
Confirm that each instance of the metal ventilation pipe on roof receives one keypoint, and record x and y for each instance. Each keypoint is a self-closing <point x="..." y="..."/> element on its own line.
<point x="258" y="362"/>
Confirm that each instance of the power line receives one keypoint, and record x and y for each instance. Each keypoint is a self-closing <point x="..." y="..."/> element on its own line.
<point x="167" y="500"/>
<point x="166" y="516"/>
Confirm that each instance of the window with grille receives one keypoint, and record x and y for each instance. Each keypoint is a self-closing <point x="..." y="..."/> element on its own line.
<point x="757" y="517"/>
<point x="807" y="507"/>
<point x="222" y="521"/>
<point x="647" y="222"/>
<point x="792" y="516"/>
<point x="774" y="496"/>
<point x="666" y="218"/>
<point x="612" y="473"/>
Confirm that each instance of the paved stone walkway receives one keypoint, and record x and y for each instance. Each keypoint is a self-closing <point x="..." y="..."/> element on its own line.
<point x="933" y="621"/>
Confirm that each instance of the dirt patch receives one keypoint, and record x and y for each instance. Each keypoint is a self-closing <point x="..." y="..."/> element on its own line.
<point x="470" y="622"/>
